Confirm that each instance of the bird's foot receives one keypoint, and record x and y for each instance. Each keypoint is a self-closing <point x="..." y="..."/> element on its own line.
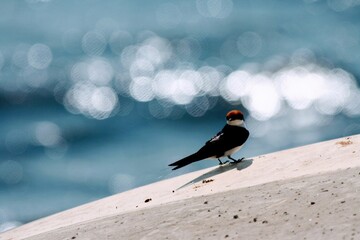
<point x="222" y="163"/>
<point x="236" y="161"/>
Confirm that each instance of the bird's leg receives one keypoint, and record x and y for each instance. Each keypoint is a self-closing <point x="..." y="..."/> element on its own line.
<point x="234" y="160"/>
<point x="221" y="163"/>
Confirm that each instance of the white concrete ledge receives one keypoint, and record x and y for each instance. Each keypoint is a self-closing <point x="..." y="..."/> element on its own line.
<point x="311" y="191"/>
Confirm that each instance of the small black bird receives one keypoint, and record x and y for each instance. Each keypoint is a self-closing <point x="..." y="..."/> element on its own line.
<point x="228" y="141"/>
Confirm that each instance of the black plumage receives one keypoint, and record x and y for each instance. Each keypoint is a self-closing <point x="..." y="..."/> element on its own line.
<point x="228" y="138"/>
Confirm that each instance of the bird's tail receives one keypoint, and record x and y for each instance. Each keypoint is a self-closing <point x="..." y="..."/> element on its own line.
<point x="185" y="161"/>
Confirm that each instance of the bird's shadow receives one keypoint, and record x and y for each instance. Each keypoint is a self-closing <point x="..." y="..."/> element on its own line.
<point x="220" y="169"/>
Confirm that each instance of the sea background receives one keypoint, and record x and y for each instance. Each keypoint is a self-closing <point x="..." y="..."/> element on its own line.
<point x="98" y="97"/>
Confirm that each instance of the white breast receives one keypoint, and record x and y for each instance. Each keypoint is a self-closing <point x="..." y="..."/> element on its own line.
<point x="229" y="152"/>
<point x="232" y="151"/>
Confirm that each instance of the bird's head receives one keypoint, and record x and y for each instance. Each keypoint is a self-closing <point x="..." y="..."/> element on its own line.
<point x="235" y="118"/>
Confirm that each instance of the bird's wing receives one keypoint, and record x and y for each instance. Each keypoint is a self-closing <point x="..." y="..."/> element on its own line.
<point x="216" y="137"/>
<point x="210" y="148"/>
<point x="215" y="147"/>
<point x="228" y="138"/>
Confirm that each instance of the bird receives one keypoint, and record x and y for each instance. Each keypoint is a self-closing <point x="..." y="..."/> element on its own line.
<point x="225" y="143"/>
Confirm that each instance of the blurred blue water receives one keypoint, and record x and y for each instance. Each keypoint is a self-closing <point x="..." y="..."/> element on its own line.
<point x="97" y="97"/>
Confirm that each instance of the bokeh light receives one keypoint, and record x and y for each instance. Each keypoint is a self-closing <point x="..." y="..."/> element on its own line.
<point x="302" y="83"/>
<point x="39" y="56"/>
<point x="92" y="101"/>
<point x="263" y="100"/>
<point x="158" y="68"/>
<point x="47" y="134"/>
<point x="100" y="71"/>
<point x="141" y="89"/>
